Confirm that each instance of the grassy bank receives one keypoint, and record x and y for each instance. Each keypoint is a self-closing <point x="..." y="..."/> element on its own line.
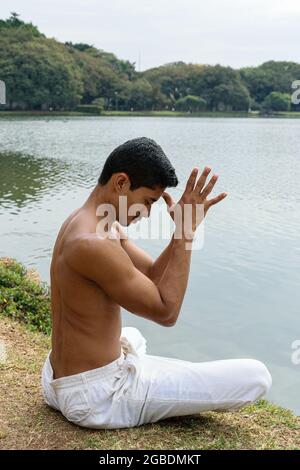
<point x="27" y="423"/>
<point x="234" y="114"/>
<point x="5" y="114"/>
<point x="179" y="114"/>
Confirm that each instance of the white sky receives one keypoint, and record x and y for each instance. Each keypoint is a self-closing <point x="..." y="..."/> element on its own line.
<point x="230" y="32"/>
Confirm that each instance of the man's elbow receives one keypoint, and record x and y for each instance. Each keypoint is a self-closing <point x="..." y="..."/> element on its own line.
<point x="170" y="313"/>
<point x="168" y="323"/>
<point x="167" y="314"/>
<point x="169" y="320"/>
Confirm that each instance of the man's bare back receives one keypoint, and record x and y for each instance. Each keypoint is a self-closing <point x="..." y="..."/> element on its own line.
<point x="86" y="322"/>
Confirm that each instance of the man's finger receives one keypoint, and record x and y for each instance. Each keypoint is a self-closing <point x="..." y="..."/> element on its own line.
<point x="201" y="181"/>
<point x="209" y="187"/>
<point x="191" y="181"/>
<point x="216" y="199"/>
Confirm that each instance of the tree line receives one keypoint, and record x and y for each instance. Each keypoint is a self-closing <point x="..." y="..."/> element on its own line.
<point x="42" y="73"/>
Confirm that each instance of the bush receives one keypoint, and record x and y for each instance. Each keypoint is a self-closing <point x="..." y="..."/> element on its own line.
<point x="190" y="103"/>
<point x="277" y="101"/>
<point x="99" y="102"/>
<point x="254" y="105"/>
<point x="89" y="108"/>
<point x="23" y="298"/>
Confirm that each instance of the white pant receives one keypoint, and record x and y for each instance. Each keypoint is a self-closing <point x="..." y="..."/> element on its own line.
<point x="139" y="388"/>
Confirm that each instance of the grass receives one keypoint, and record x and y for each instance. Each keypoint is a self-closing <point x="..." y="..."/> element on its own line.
<point x="26" y="422"/>
<point x="32" y="113"/>
<point x="206" y="114"/>
<point x="179" y="114"/>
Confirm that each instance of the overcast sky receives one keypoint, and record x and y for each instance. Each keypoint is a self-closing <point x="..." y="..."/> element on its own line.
<point x="230" y="32"/>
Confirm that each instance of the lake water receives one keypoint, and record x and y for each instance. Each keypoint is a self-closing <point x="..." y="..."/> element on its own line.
<point x="244" y="289"/>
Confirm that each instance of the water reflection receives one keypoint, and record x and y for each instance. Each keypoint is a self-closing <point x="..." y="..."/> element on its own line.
<point x="26" y="179"/>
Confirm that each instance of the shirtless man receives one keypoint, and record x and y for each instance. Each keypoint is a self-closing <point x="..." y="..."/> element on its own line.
<point x="97" y="373"/>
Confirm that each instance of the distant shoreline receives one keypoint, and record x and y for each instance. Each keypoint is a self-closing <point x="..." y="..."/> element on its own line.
<point x="208" y="114"/>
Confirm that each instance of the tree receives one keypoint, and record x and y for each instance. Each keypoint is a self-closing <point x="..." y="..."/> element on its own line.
<point x="13" y="22"/>
<point x="277" y="101"/>
<point x="268" y="77"/>
<point x="229" y="98"/>
<point x="172" y="81"/>
<point x="79" y="46"/>
<point x="140" y="95"/>
<point x="38" y="74"/>
<point x="190" y="103"/>
<point x="97" y="76"/>
<point x="41" y="72"/>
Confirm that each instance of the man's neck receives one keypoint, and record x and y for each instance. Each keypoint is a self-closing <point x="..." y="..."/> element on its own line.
<point x="98" y="196"/>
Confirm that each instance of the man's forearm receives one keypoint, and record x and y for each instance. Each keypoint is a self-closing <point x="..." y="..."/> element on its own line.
<point x="160" y="264"/>
<point x="172" y="284"/>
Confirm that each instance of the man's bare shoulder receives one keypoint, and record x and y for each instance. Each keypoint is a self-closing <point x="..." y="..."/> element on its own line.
<point x="89" y="244"/>
<point x="85" y="251"/>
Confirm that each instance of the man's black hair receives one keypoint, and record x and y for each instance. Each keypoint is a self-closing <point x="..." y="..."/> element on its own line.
<point x="145" y="163"/>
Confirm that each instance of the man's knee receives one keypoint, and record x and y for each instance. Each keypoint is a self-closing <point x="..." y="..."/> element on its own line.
<point x="259" y="378"/>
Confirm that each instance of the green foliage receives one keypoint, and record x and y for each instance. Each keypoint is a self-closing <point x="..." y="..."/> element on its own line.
<point x="270" y="76"/>
<point x="277" y="101"/>
<point x="230" y="98"/>
<point x="100" y="102"/>
<point x="89" y="108"/>
<point x="79" y="46"/>
<point x="38" y="73"/>
<point x="24" y="299"/>
<point x="98" y="77"/>
<point x="190" y="103"/>
<point x="42" y="73"/>
<point x="14" y="23"/>
<point x="220" y="87"/>
<point x="254" y="105"/>
<point x="139" y="95"/>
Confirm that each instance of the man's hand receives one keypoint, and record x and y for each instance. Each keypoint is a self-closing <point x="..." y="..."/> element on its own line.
<point x="195" y="197"/>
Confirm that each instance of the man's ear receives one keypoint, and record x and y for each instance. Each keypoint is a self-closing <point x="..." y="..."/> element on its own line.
<point x="121" y="183"/>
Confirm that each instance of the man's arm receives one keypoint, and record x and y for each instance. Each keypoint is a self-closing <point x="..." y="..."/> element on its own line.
<point x="144" y="263"/>
<point x="142" y="260"/>
<point x="109" y="266"/>
<point x="105" y="262"/>
<point x="160" y="264"/>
